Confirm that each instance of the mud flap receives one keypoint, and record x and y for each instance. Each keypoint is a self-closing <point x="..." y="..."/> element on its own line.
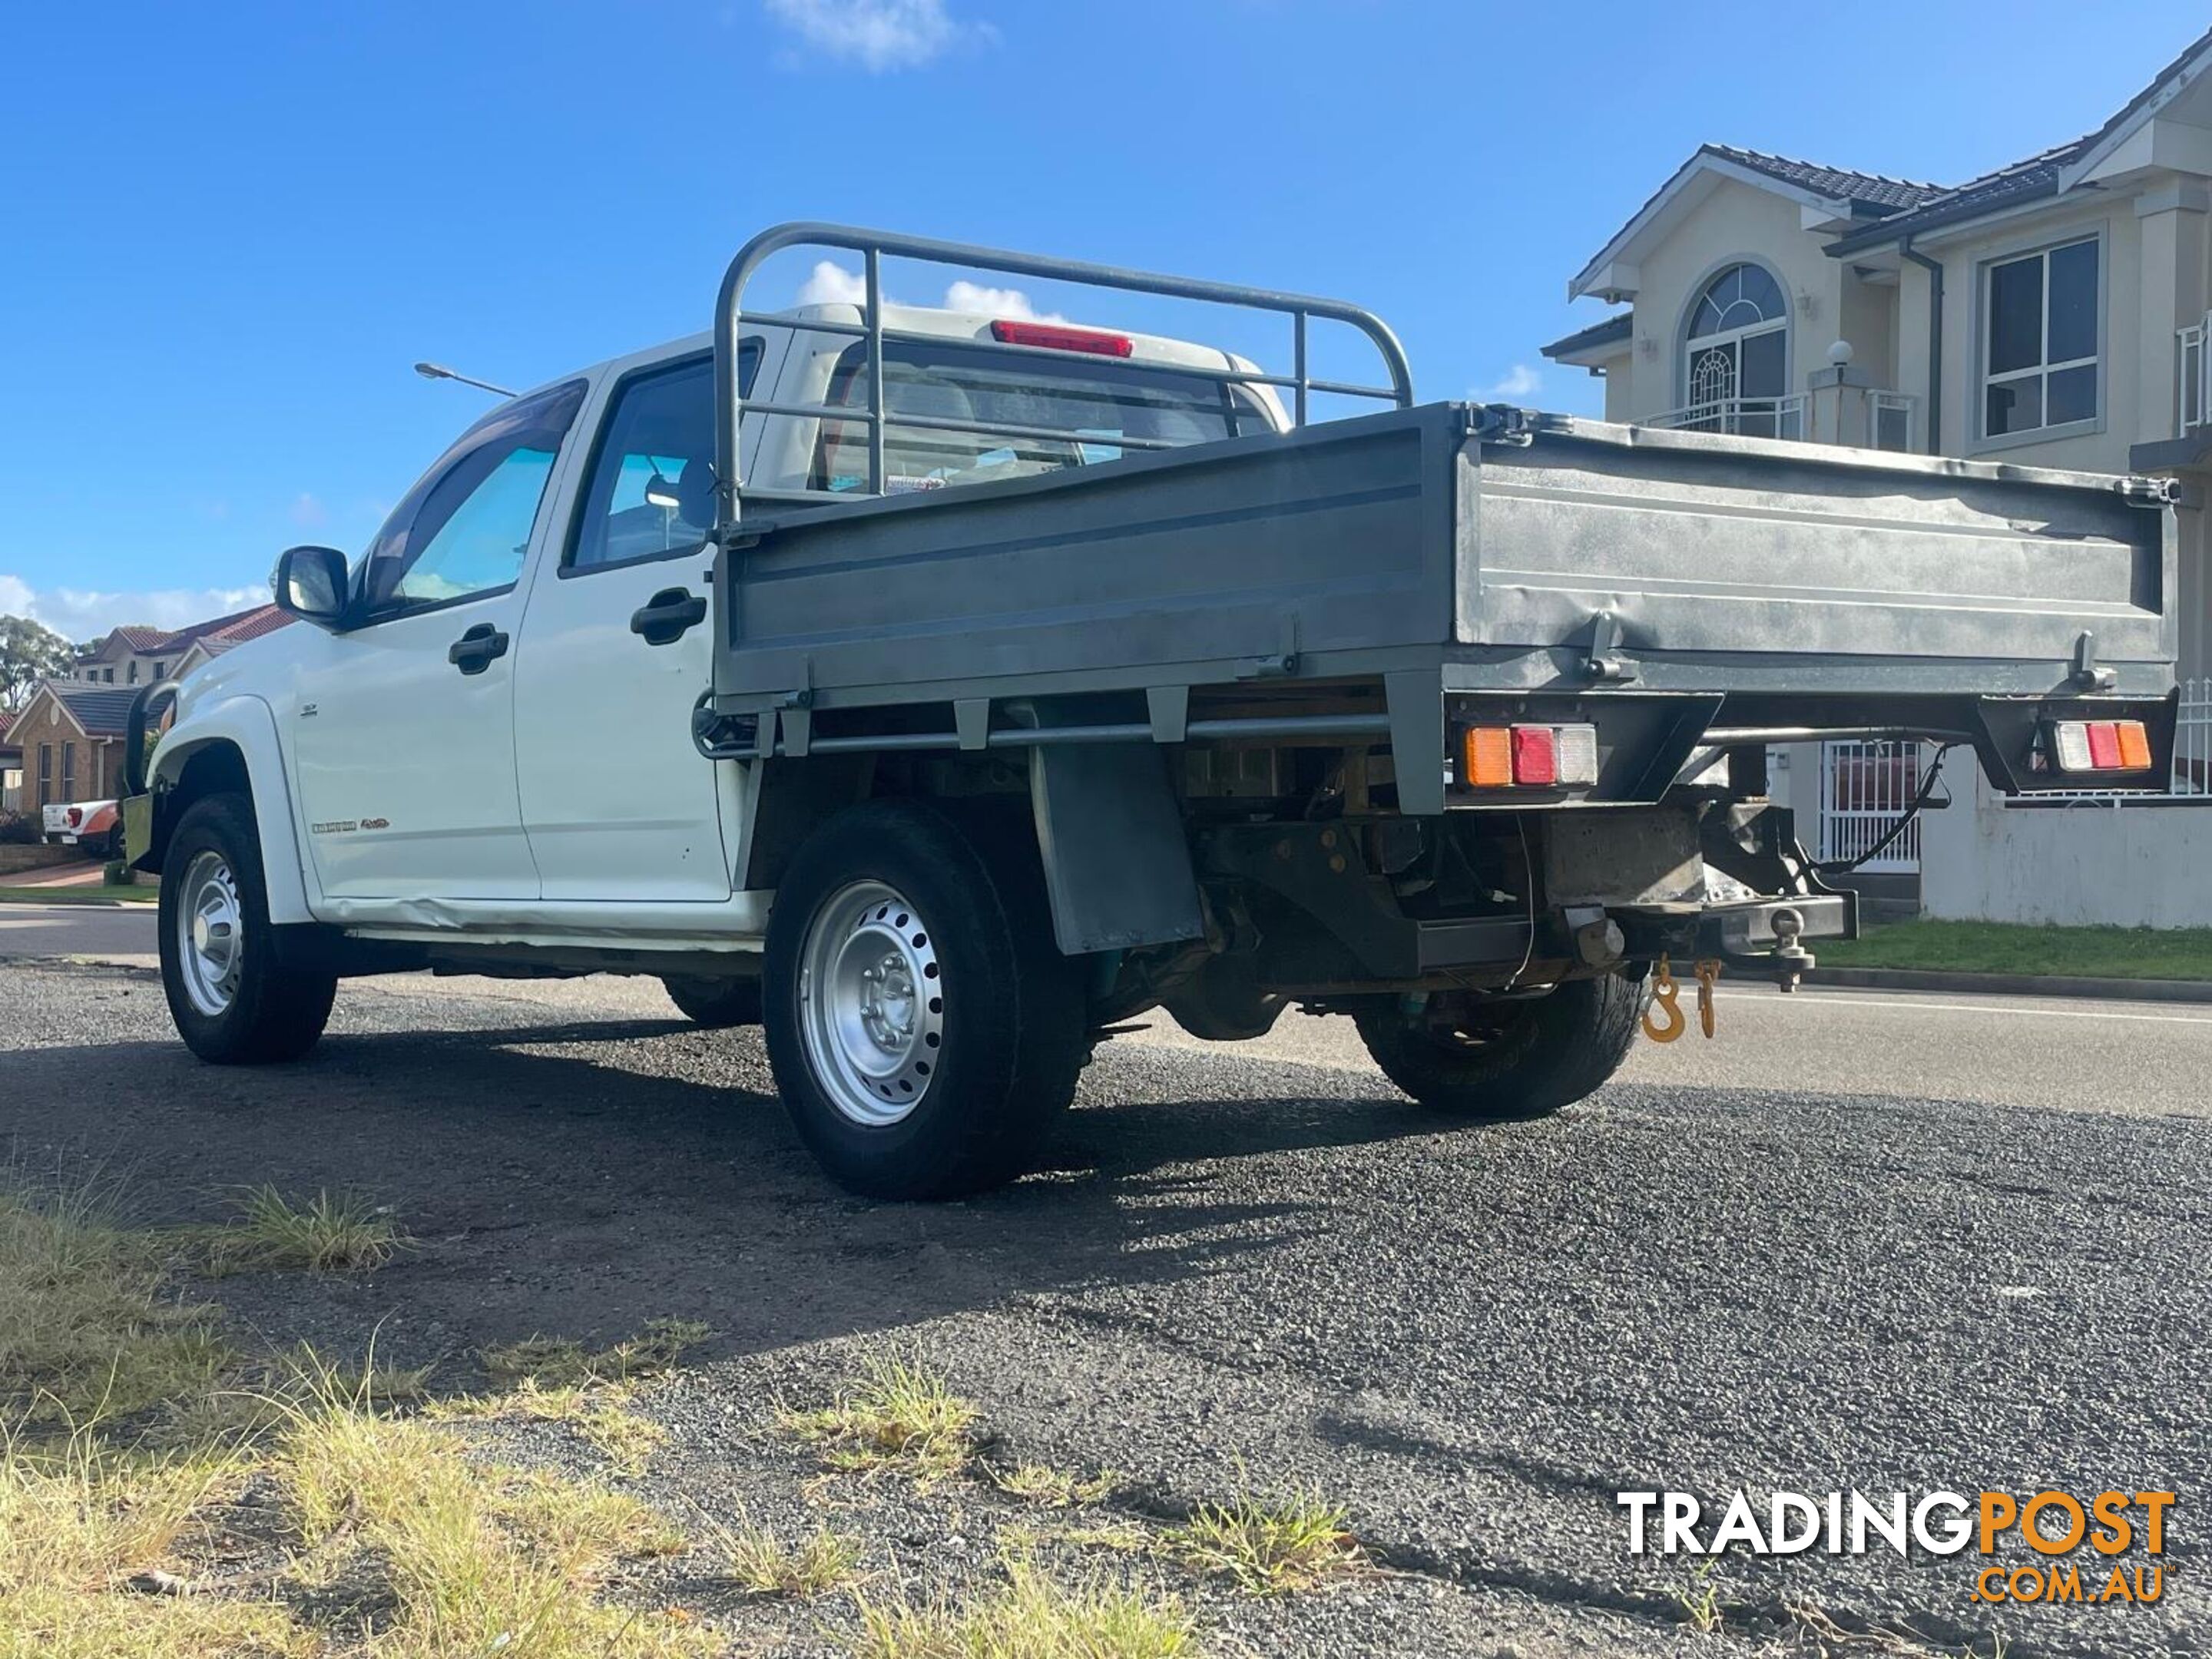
<point x="1116" y="864"/>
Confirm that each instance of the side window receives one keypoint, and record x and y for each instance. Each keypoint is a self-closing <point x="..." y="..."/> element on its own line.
<point x="652" y="487"/>
<point x="464" y="530"/>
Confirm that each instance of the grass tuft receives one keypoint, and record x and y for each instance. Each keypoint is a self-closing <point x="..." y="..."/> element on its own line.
<point x="551" y="1362"/>
<point x="1269" y="1546"/>
<point x="88" y="1328"/>
<point x="1040" y="1483"/>
<point x="329" y="1233"/>
<point x="1034" y="1617"/>
<point x="899" y="1416"/>
<point x="1699" y="1598"/>
<point x="757" y="1561"/>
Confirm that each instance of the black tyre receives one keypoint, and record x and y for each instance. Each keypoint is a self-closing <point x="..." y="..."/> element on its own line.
<point x="1493" y="1061"/>
<point x="715" y="1002"/>
<point x="234" y="1001"/>
<point x="924" y="1029"/>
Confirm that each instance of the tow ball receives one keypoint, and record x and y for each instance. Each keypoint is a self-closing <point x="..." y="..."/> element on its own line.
<point x="1664" y="1021"/>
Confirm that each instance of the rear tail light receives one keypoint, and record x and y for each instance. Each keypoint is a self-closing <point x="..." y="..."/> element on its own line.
<point x="75" y="816"/>
<point x="1529" y="757"/>
<point x="2101" y="746"/>
<point x="1060" y="337"/>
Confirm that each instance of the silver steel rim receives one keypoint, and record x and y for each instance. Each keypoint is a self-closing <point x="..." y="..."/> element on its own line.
<point x="210" y="934"/>
<point x="871" y="1003"/>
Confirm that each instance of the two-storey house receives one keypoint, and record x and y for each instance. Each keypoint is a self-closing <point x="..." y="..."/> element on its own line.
<point x="2052" y="312"/>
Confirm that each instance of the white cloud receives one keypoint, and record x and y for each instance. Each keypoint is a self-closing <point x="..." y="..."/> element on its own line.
<point x="965" y="295"/>
<point x="831" y="284"/>
<point x="83" y="614"/>
<point x="1520" y="381"/>
<point x="878" y="35"/>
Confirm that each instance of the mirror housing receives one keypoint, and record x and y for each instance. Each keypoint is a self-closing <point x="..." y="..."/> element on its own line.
<point x="311" y="583"/>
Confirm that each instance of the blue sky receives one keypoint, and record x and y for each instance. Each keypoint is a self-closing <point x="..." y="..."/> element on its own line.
<point x="232" y="228"/>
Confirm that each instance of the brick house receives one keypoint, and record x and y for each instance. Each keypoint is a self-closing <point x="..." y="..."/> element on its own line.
<point x="11" y="766"/>
<point x="70" y="738"/>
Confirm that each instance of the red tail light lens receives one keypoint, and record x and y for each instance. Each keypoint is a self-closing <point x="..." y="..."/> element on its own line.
<point x="1060" y="337"/>
<point x="1536" y="760"/>
<point x="75" y="816"/>
<point x="2103" y="745"/>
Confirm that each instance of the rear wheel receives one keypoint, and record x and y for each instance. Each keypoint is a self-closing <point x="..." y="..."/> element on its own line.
<point x="715" y="1003"/>
<point x="924" y="1029"/>
<point x="1492" y="1059"/>
<point x="234" y="1001"/>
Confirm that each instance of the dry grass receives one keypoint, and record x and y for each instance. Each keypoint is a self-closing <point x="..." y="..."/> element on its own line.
<point x="899" y="1416"/>
<point x="454" y="1559"/>
<point x="759" y="1563"/>
<point x="1269" y="1546"/>
<point x="1034" y="1617"/>
<point x="341" y="1232"/>
<point x="88" y="1326"/>
<point x="1059" y="1489"/>
<point x="600" y="1415"/>
<point x="548" y="1362"/>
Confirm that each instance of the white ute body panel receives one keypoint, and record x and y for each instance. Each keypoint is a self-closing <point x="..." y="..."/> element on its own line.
<point x="554" y="797"/>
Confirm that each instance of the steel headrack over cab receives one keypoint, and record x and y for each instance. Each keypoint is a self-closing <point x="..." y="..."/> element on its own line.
<point x="1056" y="673"/>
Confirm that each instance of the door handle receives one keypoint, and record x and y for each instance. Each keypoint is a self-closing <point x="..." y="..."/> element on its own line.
<point x="668" y="615"/>
<point x="474" y="651"/>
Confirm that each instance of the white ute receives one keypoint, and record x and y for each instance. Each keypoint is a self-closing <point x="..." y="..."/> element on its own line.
<point x="490" y="757"/>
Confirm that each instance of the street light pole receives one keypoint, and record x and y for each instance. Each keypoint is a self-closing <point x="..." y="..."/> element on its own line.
<point x="439" y="372"/>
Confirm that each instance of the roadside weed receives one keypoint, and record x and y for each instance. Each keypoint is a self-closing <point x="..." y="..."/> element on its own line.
<point x="341" y="1232"/>
<point x="1033" y="1617"/>
<point x="88" y="1329"/>
<point x="599" y="1413"/>
<point x="1268" y="1547"/>
<point x="759" y="1562"/>
<point x="899" y="1416"/>
<point x="557" y="1362"/>
<point x="1041" y="1484"/>
<point x="1700" y="1600"/>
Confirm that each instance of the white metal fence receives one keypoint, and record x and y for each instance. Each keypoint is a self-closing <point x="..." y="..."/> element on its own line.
<point x="1865" y="788"/>
<point x="1744" y="417"/>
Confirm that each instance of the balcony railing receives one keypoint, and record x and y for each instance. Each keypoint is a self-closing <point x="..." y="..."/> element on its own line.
<point x="2194" y="401"/>
<point x="1740" y="417"/>
<point x="1894" y="421"/>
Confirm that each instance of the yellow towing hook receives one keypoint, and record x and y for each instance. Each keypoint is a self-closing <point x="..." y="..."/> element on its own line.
<point x="1708" y="971"/>
<point x="1662" y="1020"/>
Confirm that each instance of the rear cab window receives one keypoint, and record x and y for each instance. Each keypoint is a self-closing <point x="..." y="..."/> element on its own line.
<point x="1102" y="401"/>
<point x="651" y="491"/>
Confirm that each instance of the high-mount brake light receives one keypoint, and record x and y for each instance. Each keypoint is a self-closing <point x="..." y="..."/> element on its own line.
<point x="2101" y="746"/>
<point x="1058" y="337"/>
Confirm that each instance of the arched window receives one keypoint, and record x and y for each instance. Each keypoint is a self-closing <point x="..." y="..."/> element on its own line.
<point x="1735" y="356"/>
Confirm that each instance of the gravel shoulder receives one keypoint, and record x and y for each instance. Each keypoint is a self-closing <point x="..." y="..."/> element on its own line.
<point x="1890" y="1267"/>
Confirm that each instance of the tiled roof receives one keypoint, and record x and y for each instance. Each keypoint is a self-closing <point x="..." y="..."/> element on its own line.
<point x="238" y="626"/>
<point x="2018" y="181"/>
<point x="1873" y="190"/>
<point x="1606" y="332"/>
<point x="102" y="710"/>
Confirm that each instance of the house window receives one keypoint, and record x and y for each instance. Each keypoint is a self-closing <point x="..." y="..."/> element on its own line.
<point x="160" y="670"/>
<point x="69" y="771"/>
<point x="1735" y="356"/>
<point x="46" y="773"/>
<point x="133" y="671"/>
<point x="2039" y="340"/>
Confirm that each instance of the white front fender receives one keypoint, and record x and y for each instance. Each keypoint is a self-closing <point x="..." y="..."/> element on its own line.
<point x="248" y="725"/>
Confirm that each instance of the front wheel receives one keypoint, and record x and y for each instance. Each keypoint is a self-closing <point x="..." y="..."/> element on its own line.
<point x="924" y="1031"/>
<point x="233" y="1002"/>
<point x="1492" y="1059"/>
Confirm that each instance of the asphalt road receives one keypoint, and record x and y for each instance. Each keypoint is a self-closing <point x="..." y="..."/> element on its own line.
<point x="1861" y="1240"/>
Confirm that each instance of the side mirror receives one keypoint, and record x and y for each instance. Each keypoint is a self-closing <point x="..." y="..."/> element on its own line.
<point x="311" y="583"/>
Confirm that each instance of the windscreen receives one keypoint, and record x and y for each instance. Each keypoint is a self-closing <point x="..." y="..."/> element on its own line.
<point x="1100" y="401"/>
